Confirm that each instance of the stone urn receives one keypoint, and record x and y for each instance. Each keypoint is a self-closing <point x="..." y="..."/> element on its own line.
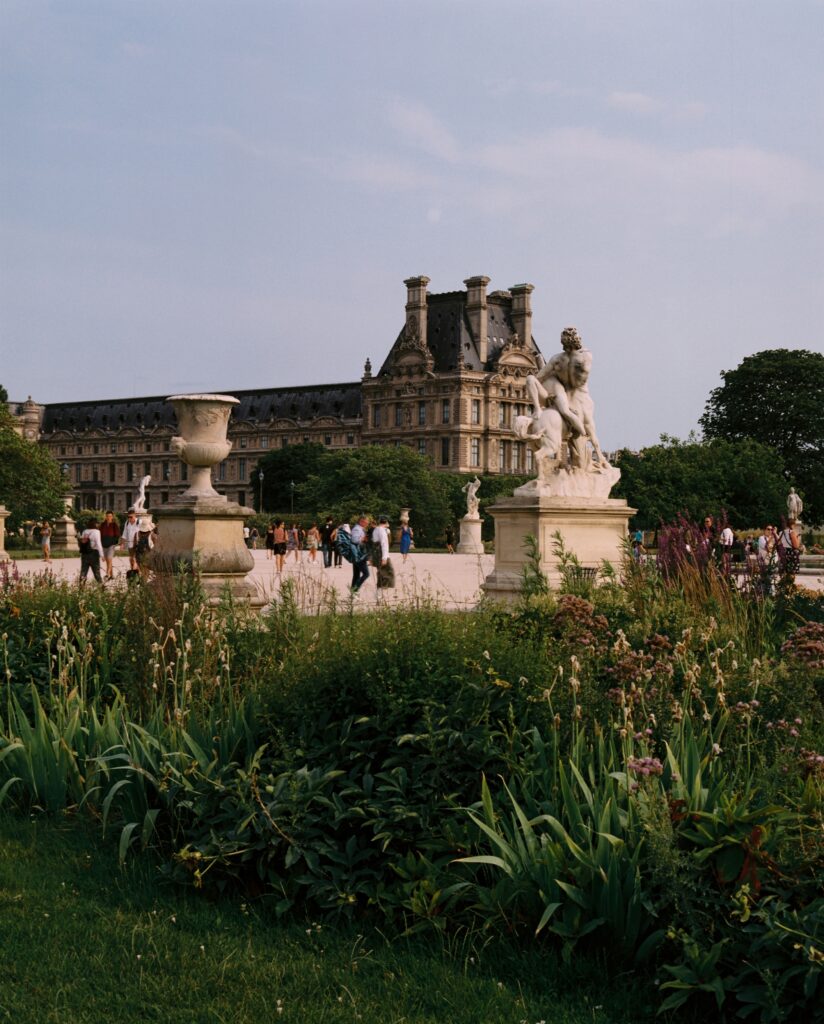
<point x="201" y="527"/>
<point x="203" y="421"/>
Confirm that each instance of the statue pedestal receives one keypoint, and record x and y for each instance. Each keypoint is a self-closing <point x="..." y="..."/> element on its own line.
<point x="64" y="533"/>
<point x="207" y="532"/>
<point x="4" y="515"/>
<point x="592" y="529"/>
<point x="470" y="542"/>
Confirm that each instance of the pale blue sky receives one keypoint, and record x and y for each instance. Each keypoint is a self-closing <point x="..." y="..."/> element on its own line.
<point x="222" y="195"/>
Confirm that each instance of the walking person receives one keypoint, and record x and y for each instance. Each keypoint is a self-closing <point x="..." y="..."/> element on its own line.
<point x="313" y="541"/>
<point x="450" y="540"/>
<point x="327" y="541"/>
<point x="360" y="567"/>
<point x="407" y="536"/>
<point x="128" y="539"/>
<point x="281" y="540"/>
<point x="385" y="573"/>
<point x="110" y="535"/>
<point x="293" y="541"/>
<point x="45" y="540"/>
<point x="270" y="541"/>
<point x="143" y="546"/>
<point x="91" y="551"/>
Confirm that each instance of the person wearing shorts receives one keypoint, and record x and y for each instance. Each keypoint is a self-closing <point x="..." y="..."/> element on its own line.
<point x="280" y="540"/>
<point x="45" y="541"/>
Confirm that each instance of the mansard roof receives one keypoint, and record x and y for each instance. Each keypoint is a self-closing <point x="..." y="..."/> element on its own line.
<point x="341" y="401"/>
<point x="449" y="334"/>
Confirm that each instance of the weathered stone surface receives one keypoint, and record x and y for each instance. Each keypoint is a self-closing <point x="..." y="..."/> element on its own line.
<point x="592" y="530"/>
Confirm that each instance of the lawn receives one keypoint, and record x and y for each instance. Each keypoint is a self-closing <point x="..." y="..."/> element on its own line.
<point x="85" y="942"/>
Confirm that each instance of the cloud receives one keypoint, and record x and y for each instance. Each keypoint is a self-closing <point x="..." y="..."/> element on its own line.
<point x="137" y="51"/>
<point x="375" y="170"/>
<point x="634" y="102"/>
<point x="421" y="129"/>
<point x="588" y="167"/>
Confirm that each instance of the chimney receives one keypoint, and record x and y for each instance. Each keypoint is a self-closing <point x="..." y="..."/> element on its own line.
<point x="522" y="312"/>
<point x="416" y="305"/>
<point x="476" y="310"/>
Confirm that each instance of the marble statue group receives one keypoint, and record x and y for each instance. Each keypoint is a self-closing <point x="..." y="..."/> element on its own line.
<point x="561" y="429"/>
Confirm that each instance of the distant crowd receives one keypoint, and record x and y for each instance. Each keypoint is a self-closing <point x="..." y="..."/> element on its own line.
<point x="718" y="542"/>
<point x="363" y="545"/>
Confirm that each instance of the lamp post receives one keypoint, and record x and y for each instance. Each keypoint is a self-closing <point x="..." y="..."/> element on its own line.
<point x="260" y="481"/>
<point x="292" y="494"/>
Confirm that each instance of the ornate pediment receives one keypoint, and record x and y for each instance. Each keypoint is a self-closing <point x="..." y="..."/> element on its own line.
<point x="515" y="358"/>
<point x="411" y="352"/>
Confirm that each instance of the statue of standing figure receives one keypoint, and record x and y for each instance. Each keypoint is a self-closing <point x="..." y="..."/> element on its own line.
<point x="140" y="500"/>
<point x="470" y="489"/>
<point x="795" y="506"/>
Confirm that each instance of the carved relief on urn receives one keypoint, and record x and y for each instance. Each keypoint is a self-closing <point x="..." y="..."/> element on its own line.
<point x="202" y="443"/>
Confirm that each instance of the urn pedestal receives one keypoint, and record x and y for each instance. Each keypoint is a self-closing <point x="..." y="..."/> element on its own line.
<point x="64" y="534"/>
<point x="470" y="542"/>
<point x="200" y="527"/>
<point x="593" y="530"/>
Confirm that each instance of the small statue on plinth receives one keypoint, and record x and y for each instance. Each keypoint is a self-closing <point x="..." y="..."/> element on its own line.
<point x="470" y="489"/>
<point x="140" y="500"/>
<point x="795" y="506"/>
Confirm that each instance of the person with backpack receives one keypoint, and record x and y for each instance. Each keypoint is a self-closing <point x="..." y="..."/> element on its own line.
<point x="350" y="543"/>
<point x="91" y="551"/>
<point x="360" y="552"/>
<point x="789" y="550"/>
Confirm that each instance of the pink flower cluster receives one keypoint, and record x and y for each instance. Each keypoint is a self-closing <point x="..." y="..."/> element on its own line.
<point x="644" y="766"/>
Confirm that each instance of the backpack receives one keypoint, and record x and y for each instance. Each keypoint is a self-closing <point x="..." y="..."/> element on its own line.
<point x="346" y="548"/>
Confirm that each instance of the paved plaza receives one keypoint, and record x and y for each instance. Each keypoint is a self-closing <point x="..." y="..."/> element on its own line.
<point x="450" y="581"/>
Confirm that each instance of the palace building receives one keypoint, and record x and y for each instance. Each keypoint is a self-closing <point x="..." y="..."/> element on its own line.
<point x="450" y="388"/>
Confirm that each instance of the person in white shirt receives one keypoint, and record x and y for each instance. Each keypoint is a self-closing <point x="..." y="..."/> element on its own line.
<point x="380" y="538"/>
<point x="91" y="551"/>
<point x="726" y="541"/>
<point x="128" y="537"/>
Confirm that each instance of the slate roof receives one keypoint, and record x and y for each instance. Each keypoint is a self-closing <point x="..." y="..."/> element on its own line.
<point x="449" y="335"/>
<point x="301" y="403"/>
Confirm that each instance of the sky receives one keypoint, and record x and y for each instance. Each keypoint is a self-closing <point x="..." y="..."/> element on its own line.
<point x="219" y="194"/>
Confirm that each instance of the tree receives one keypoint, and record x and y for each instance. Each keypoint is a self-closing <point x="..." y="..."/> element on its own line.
<point x="743" y="478"/>
<point x="283" y="467"/>
<point x="776" y="397"/>
<point x="31" y="484"/>
<point x="381" y="479"/>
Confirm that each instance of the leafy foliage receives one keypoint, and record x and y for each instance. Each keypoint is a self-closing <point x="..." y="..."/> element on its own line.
<point x="31" y="484"/>
<point x="674" y="478"/>
<point x="776" y="397"/>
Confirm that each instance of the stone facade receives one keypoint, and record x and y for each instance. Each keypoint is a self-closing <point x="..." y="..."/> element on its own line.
<point x="450" y="387"/>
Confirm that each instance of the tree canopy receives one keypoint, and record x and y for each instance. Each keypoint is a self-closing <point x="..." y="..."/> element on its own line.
<point x="743" y="478"/>
<point x="776" y="397"/>
<point x="31" y="484"/>
<point x="373" y="479"/>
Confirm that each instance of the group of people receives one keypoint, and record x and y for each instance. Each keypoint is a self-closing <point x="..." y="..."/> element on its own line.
<point x="282" y="540"/>
<point x="99" y="541"/>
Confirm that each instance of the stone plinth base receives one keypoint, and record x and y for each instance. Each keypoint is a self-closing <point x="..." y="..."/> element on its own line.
<point x="594" y="531"/>
<point x="470" y="542"/>
<point x="64" y="535"/>
<point x="208" y="533"/>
